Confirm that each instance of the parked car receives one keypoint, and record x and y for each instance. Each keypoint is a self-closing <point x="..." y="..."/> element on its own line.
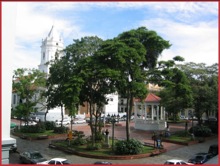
<point x="183" y="117"/>
<point x="34" y="118"/>
<point x="213" y="149"/>
<point x="177" y="162"/>
<point x="31" y="157"/>
<point x="13" y="148"/>
<point x="65" y="122"/>
<point x="77" y="121"/>
<point x="56" y="161"/>
<point x="30" y="123"/>
<point x="200" y="158"/>
<point x="102" y="163"/>
<point x="124" y="117"/>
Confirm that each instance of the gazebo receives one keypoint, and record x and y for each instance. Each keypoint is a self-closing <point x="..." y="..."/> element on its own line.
<point x="149" y="114"/>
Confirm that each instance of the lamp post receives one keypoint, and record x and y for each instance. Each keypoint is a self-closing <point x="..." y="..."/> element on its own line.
<point x="118" y="116"/>
<point x="112" y="119"/>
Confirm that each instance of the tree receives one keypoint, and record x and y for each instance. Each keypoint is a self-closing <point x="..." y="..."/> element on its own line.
<point x="130" y="55"/>
<point x="29" y="85"/>
<point x="176" y="94"/>
<point x="63" y="86"/>
<point x="204" y="82"/>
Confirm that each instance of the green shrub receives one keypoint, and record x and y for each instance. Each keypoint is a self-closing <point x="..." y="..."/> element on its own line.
<point x="182" y="133"/>
<point x="99" y="137"/>
<point x="79" y="141"/>
<point x="50" y="125"/>
<point x="200" y="131"/>
<point x="130" y="147"/>
<point x="60" y="130"/>
<point x="96" y="146"/>
<point x="38" y="128"/>
<point x="213" y="126"/>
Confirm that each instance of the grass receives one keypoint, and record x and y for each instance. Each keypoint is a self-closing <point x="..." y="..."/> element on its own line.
<point x="47" y="132"/>
<point x="179" y="139"/>
<point x="100" y="152"/>
<point x="181" y="136"/>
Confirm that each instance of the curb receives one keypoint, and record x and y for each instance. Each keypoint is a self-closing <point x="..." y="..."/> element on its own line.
<point x="118" y="157"/>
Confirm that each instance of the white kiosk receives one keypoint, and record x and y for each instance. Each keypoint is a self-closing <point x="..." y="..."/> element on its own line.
<point x="149" y="114"/>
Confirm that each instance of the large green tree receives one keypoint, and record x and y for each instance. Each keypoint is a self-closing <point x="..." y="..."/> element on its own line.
<point x="130" y="54"/>
<point x="29" y="85"/>
<point x="63" y="86"/>
<point x="204" y="82"/>
<point x="176" y="94"/>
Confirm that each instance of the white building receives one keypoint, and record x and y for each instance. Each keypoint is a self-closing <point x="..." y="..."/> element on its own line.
<point x="8" y="35"/>
<point x="50" y="45"/>
<point x="112" y="107"/>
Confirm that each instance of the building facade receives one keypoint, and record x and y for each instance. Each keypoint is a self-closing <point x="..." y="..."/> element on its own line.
<point x="51" y="46"/>
<point x="9" y="11"/>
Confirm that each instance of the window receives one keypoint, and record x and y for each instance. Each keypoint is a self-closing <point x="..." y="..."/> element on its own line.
<point x="43" y="55"/>
<point x="122" y="101"/>
<point x="52" y="162"/>
<point x="57" y="44"/>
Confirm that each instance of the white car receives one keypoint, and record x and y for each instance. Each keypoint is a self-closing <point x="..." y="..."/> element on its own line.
<point x="65" y="122"/>
<point x="177" y="162"/>
<point x="77" y="121"/>
<point x="56" y="161"/>
<point x="30" y="123"/>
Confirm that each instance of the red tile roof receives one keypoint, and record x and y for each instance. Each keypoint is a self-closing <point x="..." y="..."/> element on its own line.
<point x="150" y="98"/>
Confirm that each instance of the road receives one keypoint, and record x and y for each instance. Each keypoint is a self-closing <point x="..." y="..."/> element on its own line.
<point x="177" y="152"/>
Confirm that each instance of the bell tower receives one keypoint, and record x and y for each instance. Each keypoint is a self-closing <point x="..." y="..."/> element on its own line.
<point x="50" y="45"/>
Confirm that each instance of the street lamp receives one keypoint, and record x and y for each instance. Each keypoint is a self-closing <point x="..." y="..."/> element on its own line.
<point x="118" y="116"/>
<point x="112" y="120"/>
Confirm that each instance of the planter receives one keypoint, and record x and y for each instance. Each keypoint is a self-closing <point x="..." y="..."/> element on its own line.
<point x="110" y="157"/>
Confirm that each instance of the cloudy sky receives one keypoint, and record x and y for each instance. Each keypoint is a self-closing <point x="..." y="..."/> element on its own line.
<point x="191" y="27"/>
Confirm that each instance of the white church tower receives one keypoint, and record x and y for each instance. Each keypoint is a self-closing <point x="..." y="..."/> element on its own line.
<point x="50" y="45"/>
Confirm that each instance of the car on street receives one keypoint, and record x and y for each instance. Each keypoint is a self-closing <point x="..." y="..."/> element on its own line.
<point x="200" y="158"/>
<point x="56" y="161"/>
<point x="29" y="123"/>
<point x="65" y="122"/>
<point x="31" y="157"/>
<point x="213" y="149"/>
<point x="102" y="163"/>
<point x="177" y="162"/>
<point x="78" y="121"/>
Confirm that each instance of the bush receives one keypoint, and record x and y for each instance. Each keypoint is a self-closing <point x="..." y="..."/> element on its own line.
<point x="201" y="131"/>
<point x="49" y="125"/>
<point x="79" y="141"/>
<point x="96" y="146"/>
<point x="99" y="137"/>
<point x="60" y="130"/>
<point x="213" y="126"/>
<point x="130" y="147"/>
<point x="38" y="128"/>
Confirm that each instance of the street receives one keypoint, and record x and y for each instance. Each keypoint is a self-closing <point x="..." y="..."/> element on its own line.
<point x="174" y="151"/>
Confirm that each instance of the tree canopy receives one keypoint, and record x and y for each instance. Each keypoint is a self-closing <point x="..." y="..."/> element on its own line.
<point x="29" y="84"/>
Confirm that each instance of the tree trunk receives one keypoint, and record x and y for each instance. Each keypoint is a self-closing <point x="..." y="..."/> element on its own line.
<point x="45" y="115"/>
<point x="61" y="115"/>
<point x="128" y="120"/>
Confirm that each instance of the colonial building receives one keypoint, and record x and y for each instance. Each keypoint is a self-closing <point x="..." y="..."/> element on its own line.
<point x="8" y="37"/>
<point x="51" y="45"/>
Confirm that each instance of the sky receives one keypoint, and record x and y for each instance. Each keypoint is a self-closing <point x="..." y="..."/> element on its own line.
<point x="191" y="27"/>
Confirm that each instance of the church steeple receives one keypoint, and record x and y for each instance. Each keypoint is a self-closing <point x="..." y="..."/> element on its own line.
<point x="50" y="45"/>
<point x="53" y="34"/>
